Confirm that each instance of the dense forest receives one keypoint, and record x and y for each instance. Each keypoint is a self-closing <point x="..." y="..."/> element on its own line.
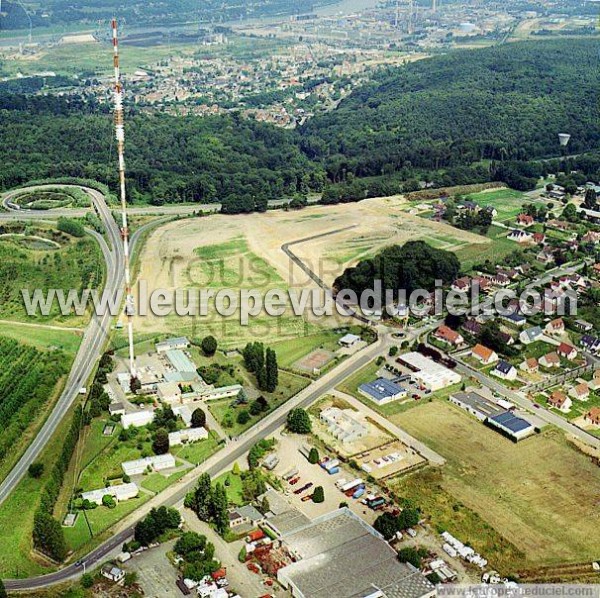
<point x="504" y="102"/>
<point x="467" y="117"/>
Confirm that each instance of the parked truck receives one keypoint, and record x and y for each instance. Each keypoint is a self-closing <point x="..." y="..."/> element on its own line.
<point x="330" y="464"/>
<point x="291" y="473"/>
<point x="358" y="493"/>
<point x="341" y="482"/>
<point x="333" y="470"/>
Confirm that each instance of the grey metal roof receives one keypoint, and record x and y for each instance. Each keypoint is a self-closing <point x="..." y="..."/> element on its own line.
<point x="342" y="556"/>
<point x="479" y="403"/>
<point x="381" y="389"/>
<point x="511" y="422"/>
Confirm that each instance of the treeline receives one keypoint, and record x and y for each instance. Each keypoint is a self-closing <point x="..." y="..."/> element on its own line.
<point x="263" y="364"/>
<point x="48" y="536"/>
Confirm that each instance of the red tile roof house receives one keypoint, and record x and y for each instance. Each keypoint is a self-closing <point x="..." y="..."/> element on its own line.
<point x="567" y="351"/>
<point x="593" y="416"/>
<point x="530" y="365"/>
<point x="539" y="238"/>
<point x="484" y="355"/>
<point x="524" y="220"/>
<point x="559" y="400"/>
<point x="461" y="285"/>
<point x="580" y="391"/>
<point x="550" y="360"/>
<point x="556" y="326"/>
<point x="446" y="334"/>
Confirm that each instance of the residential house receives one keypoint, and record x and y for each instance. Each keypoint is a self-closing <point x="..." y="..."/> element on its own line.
<point x="594" y="383"/>
<point x="525" y="220"/>
<point x="482" y="283"/>
<point x="591" y="237"/>
<point x="520" y="236"/>
<point x="559" y="400"/>
<point x="461" y="285"/>
<point x="112" y="573"/>
<point x="558" y="224"/>
<point x="472" y="327"/>
<point x="447" y="335"/>
<point x="116" y="409"/>
<point x="498" y="279"/>
<point x="590" y="343"/>
<point x="583" y="325"/>
<point x="580" y="392"/>
<point x="550" y="360"/>
<point x="514" y="319"/>
<point x="545" y="256"/>
<point x="539" y="238"/>
<point x="567" y="351"/>
<point x="556" y="327"/>
<point x="593" y="416"/>
<point x="349" y="340"/>
<point x="530" y="335"/>
<point x="530" y="365"/>
<point x="483" y="354"/>
<point x="505" y="370"/>
<point x="506" y="338"/>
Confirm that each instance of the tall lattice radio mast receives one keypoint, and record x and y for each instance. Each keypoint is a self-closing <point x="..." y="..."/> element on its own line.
<point x="120" y="135"/>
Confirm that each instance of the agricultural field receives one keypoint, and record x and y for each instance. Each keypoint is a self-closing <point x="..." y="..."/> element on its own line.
<point x="520" y="505"/>
<point x="41" y="257"/>
<point x="220" y="251"/>
<point x="30" y="381"/>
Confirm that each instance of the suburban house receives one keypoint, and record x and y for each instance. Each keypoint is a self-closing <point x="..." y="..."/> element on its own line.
<point x="461" y="285"/>
<point x="593" y="416"/>
<point x="590" y="343"/>
<point x="581" y="392"/>
<point x="567" y="351"/>
<point x="530" y="365"/>
<point x="559" y="400"/>
<point x="505" y="370"/>
<point x="550" y="360"/>
<point x="447" y="335"/>
<point x="525" y="220"/>
<point x="591" y="237"/>
<point x="594" y="383"/>
<point x="112" y="573"/>
<point x="583" y="325"/>
<point x="539" y="238"/>
<point x="472" y="327"/>
<point x="514" y="319"/>
<point x="556" y="326"/>
<point x="545" y="256"/>
<point x="530" y="335"/>
<point x="482" y="283"/>
<point x="484" y="355"/>
<point x="520" y="236"/>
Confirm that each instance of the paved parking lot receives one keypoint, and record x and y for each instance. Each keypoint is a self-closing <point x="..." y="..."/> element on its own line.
<point x="156" y="575"/>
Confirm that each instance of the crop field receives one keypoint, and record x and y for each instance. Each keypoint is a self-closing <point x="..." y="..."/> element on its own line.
<point x="40" y="257"/>
<point x="220" y="251"/>
<point x="526" y="504"/>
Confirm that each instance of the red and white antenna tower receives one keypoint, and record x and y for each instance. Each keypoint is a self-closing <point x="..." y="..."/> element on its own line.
<point x="120" y="135"/>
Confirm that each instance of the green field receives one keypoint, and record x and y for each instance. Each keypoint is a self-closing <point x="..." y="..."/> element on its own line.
<point x="198" y="452"/>
<point x="519" y="505"/>
<point x="499" y="248"/>
<point x="233" y="486"/>
<point x="508" y="202"/>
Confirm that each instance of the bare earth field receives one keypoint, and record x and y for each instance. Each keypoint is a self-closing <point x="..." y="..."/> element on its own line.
<point x="541" y="495"/>
<point x="244" y="252"/>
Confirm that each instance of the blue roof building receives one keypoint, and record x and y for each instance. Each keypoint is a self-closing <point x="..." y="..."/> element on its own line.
<point x="382" y="391"/>
<point x="513" y="426"/>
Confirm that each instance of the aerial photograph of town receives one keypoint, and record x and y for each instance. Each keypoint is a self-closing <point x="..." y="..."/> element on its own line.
<point x="299" y="298"/>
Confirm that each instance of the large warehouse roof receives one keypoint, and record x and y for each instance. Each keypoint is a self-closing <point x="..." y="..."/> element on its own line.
<point x="342" y="556"/>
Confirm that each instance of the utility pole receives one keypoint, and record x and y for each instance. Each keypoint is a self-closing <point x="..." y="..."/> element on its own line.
<point x="120" y="135"/>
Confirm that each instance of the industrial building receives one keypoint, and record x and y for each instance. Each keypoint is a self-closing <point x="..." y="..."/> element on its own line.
<point x="172" y="344"/>
<point x="344" y="424"/>
<point x="476" y="405"/>
<point x="186" y="436"/>
<point x="153" y="463"/>
<point x="513" y="426"/>
<point x="382" y="391"/>
<point x="340" y="555"/>
<point x="224" y="392"/>
<point x="168" y="392"/>
<point x="180" y="361"/>
<point x="119" y="493"/>
<point x="433" y="375"/>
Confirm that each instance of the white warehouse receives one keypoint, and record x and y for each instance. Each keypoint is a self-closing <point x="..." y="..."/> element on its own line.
<point x="119" y="493"/>
<point x="433" y="375"/>
<point x="154" y="463"/>
<point x="137" y="419"/>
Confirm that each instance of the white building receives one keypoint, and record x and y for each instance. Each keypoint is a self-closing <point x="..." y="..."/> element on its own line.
<point x="433" y="375"/>
<point x="185" y="413"/>
<point x="119" y="493"/>
<point x="153" y="463"/>
<point x="345" y="424"/>
<point x="349" y="340"/>
<point x="137" y="419"/>
<point x="171" y="344"/>
<point x="168" y="392"/>
<point x="224" y="392"/>
<point x="187" y="436"/>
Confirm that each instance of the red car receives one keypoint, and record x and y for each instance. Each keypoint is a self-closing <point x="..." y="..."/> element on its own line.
<point x="294" y="481"/>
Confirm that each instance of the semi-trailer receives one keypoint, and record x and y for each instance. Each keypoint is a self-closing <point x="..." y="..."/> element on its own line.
<point x="352" y="484"/>
<point x="358" y="493"/>
<point x="333" y="470"/>
<point x="330" y="464"/>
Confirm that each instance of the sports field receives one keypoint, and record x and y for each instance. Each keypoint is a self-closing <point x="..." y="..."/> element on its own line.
<point x="508" y="202"/>
<point x="526" y="504"/>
